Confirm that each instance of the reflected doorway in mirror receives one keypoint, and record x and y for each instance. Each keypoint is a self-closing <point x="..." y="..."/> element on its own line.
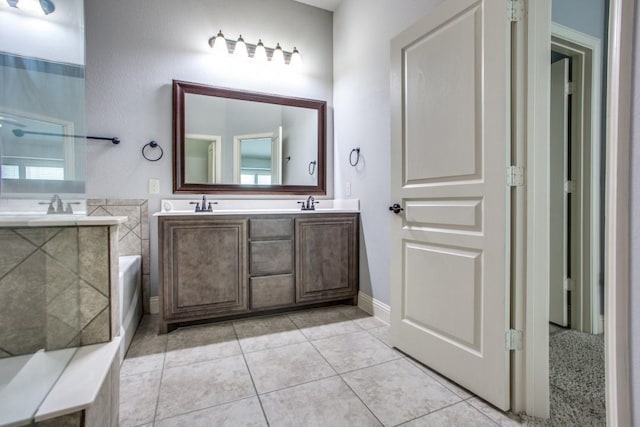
<point x="203" y="157"/>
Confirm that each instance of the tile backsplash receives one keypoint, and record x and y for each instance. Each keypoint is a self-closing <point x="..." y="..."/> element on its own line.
<point x="134" y="234"/>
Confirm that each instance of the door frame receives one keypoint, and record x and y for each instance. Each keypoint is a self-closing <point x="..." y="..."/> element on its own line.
<point x="585" y="52"/>
<point x="276" y="153"/>
<point x="531" y="379"/>
<point x="218" y="141"/>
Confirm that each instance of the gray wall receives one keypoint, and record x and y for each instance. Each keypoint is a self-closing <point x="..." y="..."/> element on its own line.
<point x="136" y="48"/>
<point x="586" y="16"/>
<point x="635" y="228"/>
<point x="363" y="30"/>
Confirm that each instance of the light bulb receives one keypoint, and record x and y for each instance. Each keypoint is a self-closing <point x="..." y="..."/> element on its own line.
<point x="260" y="53"/>
<point x="30" y="6"/>
<point x="219" y="44"/>
<point x="240" y="50"/>
<point x="278" y="55"/>
<point x="296" y="59"/>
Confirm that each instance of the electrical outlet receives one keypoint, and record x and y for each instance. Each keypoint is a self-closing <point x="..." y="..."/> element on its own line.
<point x="154" y="186"/>
<point x="347" y="189"/>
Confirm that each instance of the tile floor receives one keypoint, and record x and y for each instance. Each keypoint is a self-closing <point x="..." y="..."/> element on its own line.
<point x="325" y="367"/>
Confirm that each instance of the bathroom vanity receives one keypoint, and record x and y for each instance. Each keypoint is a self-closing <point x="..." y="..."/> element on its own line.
<point x="235" y="263"/>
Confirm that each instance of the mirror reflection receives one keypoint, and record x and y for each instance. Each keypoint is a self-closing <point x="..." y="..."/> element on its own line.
<point x="41" y="109"/>
<point x="241" y="141"/>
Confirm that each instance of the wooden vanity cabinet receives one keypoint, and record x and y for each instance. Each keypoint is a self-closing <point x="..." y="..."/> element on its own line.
<point x="326" y="257"/>
<point x="203" y="268"/>
<point x="271" y="262"/>
<point x="222" y="266"/>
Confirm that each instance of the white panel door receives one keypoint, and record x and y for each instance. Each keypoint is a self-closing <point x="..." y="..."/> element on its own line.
<point x="450" y="275"/>
<point x="558" y="306"/>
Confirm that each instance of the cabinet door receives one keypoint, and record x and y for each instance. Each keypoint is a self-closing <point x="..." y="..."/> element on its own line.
<point x="326" y="257"/>
<point x="204" y="268"/>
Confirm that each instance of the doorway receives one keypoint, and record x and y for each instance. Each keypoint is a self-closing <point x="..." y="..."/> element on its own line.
<point x="576" y="345"/>
<point x="575" y="244"/>
<point x="532" y="368"/>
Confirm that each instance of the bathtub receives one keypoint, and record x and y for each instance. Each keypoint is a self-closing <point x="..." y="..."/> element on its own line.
<point x="130" y="299"/>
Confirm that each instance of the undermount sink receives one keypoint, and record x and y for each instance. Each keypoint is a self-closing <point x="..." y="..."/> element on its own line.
<point x="259" y="206"/>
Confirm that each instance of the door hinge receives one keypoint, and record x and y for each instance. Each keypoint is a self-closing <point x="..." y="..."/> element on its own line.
<point x="570" y="88"/>
<point x="568" y="284"/>
<point x="513" y="340"/>
<point x="515" y="10"/>
<point x="569" y="187"/>
<point x="515" y="176"/>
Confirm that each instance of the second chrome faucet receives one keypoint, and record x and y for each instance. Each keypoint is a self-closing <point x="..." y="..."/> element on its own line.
<point x="309" y="205"/>
<point x="204" y="206"/>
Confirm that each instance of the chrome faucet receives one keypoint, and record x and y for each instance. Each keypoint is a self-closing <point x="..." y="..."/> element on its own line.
<point x="204" y="206"/>
<point x="56" y="206"/>
<point x="309" y="205"/>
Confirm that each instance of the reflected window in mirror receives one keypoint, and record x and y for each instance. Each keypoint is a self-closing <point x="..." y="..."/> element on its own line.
<point x="234" y="141"/>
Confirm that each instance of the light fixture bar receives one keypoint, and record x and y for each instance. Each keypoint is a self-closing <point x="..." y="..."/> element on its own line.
<point x="251" y="49"/>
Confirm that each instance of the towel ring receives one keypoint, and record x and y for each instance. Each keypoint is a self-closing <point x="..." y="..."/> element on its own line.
<point x="152" y="144"/>
<point x="357" y="152"/>
<point x="312" y="167"/>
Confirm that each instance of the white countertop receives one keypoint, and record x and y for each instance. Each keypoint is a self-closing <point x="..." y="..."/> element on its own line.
<point x="21" y="397"/>
<point x="49" y="384"/>
<point x="63" y="220"/>
<point x="78" y="386"/>
<point x="258" y="206"/>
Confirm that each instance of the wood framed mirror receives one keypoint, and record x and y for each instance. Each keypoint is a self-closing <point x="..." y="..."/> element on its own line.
<point x="238" y="142"/>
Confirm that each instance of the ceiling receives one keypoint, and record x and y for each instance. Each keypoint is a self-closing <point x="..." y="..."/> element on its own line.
<point x="330" y="5"/>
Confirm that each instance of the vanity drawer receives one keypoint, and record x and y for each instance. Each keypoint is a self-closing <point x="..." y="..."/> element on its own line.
<point x="271" y="257"/>
<point x="272" y="291"/>
<point x="271" y="228"/>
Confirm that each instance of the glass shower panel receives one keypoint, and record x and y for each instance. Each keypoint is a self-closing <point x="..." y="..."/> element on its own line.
<point x="42" y="100"/>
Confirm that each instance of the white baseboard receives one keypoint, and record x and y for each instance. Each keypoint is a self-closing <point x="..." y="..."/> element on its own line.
<point x="154" y="305"/>
<point x="374" y="307"/>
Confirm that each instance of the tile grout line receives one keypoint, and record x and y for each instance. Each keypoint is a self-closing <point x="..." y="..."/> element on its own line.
<point x="481" y="412"/>
<point x="264" y="414"/>
<point x="421" y="368"/>
<point x="200" y="409"/>
<point x="445" y="407"/>
<point x="348" y="386"/>
<point x="164" y="358"/>
<point x="360" y="399"/>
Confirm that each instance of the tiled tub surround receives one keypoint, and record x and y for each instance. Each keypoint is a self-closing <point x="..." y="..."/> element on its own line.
<point x="55" y="283"/>
<point x="325" y="367"/>
<point x="134" y="233"/>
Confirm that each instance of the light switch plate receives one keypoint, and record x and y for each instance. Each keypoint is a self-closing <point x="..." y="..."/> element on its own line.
<point x="154" y="186"/>
<point x="347" y="189"/>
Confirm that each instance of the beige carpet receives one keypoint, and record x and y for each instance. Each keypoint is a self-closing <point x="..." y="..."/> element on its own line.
<point x="577" y="380"/>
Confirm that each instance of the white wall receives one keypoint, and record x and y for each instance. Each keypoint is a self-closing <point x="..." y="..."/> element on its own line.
<point x="135" y="49"/>
<point x="57" y="37"/>
<point x="299" y="143"/>
<point x="363" y="30"/>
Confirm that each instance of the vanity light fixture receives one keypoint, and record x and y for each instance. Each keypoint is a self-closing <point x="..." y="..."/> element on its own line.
<point x="241" y="49"/>
<point x="47" y="6"/>
<point x="278" y="55"/>
<point x="296" y="58"/>
<point x="219" y="44"/>
<point x="258" y="52"/>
